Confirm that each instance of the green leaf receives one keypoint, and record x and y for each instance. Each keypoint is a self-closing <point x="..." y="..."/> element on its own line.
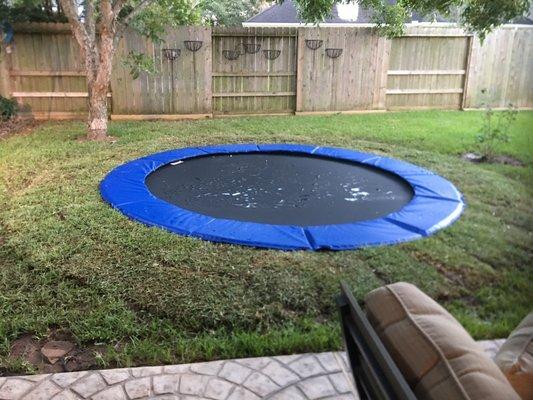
<point x="139" y="63"/>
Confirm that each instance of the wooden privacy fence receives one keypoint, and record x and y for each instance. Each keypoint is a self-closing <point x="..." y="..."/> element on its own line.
<point x="46" y="72"/>
<point x="355" y="80"/>
<point x="427" y="71"/>
<point x="178" y="87"/>
<point x="255" y="82"/>
<point x="200" y="71"/>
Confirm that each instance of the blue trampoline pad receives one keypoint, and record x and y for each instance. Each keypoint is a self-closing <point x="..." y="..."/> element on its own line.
<point x="284" y="196"/>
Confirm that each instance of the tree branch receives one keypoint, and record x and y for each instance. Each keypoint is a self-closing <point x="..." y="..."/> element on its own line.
<point x="136" y="11"/>
<point x="89" y="19"/>
<point x="78" y="29"/>
<point x="108" y="18"/>
<point x="117" y="7"/>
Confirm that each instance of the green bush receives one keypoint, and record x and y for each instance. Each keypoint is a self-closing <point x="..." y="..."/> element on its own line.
<point x="494" y="131"/>
<point x="8" y="108"/>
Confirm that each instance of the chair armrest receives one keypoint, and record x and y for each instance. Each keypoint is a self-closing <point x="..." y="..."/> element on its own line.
<point x="375" y="373"/>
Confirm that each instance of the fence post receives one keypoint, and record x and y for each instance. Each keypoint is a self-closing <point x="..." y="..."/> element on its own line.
<point x="467" y="71"/>
<point x="299" y="72"/>
<point x="5" y="86"/>
<point x="381" y="88"/>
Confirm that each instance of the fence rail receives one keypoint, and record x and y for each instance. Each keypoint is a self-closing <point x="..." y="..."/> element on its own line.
<point x="229" y="71"/>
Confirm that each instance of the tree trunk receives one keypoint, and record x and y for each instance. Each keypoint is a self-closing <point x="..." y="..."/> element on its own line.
<point x="98" y="81"/>
<point x="97" y="124"/>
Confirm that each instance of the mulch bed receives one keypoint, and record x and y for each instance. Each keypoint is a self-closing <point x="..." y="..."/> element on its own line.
<point x="16" y="126"/>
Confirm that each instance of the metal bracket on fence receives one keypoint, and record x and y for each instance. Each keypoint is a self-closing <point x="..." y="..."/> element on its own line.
<point x="231" y="54"/>
<point x="333" y="53"/>
<point x="313" y="44"/>
<point x="251" y="48"/>
<point x="171" y="54"/>
<point x="193" y="45"/>
<point x="271" y="54"/>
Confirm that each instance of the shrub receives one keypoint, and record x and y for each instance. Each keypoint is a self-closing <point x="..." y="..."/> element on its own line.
<point x="494" y="130"/>
<point x="8" y="108"/>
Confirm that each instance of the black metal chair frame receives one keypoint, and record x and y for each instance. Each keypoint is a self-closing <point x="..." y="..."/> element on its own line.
<point x="375" y="373"/>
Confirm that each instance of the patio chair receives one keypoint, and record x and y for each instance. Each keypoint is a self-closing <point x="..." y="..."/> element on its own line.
<point x="405" y="346"/>
<point x="374" y="371"/>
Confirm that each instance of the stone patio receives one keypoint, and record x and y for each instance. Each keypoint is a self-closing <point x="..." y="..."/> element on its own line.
<point x="296" y="377"/>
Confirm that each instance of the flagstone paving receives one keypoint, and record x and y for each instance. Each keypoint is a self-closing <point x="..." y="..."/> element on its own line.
<point x="324" y="376"/>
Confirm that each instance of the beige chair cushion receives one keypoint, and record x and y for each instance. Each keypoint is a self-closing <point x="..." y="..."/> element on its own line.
<point x="515" y="358"/>
<point x="435" y="354"/>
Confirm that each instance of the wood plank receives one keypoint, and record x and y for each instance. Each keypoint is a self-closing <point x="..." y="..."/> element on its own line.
<point x="46" y="73"/>
<point x="52" y="94"/>
<point x="346" y="112"/>
<point x="252" y="74"/>
<point x="499" y="109"/>
<point x="41" y="27"/>
<point x="438" y="35"/>
<point x="411" y="107"/>
<point x="254" y="94"/>
<point x="244" y="34"/>
<point x="255" y="114"/>
<point x="57" y="115"/>
<point x="426" y="72"/>
<point x="162" y="117"/>
<point x="423" y="91"/>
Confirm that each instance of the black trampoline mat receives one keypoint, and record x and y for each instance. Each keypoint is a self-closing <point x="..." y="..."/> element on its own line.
<point x="280" y="188"/>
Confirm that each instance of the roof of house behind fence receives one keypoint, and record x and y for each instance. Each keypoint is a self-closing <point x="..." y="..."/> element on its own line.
<point x="286" y="14"/>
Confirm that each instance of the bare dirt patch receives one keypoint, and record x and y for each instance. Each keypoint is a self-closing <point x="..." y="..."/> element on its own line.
<point x="503" y="159"/>
<point x="58" y="352"/>
<point x="507" y="160"/>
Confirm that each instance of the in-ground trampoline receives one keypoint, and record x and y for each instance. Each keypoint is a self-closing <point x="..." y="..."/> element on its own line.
<point x="283" y="196"/>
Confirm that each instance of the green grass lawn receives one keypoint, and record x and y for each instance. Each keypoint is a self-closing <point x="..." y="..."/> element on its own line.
<point x="70" y="262"/>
